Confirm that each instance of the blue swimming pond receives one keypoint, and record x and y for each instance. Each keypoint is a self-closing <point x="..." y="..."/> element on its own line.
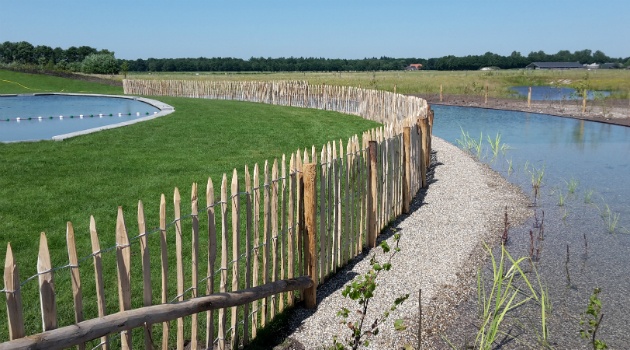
<point x="585" y="200"/>
<point x="550" y="93"/>
<point x="40" y="117"/>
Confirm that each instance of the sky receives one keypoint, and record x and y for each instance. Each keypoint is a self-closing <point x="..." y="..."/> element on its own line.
<point x="350" y="29"/>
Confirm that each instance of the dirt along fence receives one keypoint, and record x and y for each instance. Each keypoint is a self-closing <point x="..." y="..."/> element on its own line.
<point x="261" y="243"/>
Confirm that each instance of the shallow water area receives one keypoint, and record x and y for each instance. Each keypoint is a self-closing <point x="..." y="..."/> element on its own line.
<point x="550" y="93"/>
<point x="40" y="117"/>
<point x="585" y="197"/>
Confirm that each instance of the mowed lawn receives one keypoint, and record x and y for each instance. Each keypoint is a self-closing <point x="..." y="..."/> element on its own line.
<point x="45" y="184"/>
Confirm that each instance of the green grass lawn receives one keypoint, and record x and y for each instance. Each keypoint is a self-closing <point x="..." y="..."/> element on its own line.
<point x="45" y="184"/>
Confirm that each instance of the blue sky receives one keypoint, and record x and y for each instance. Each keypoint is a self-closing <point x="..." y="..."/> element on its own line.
<point x="332" y="29"/>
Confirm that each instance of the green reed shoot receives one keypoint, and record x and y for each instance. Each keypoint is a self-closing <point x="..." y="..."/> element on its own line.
<point x="496" y="146"/>
<point x="510" y="289"/>
<point x="572" y="185"/>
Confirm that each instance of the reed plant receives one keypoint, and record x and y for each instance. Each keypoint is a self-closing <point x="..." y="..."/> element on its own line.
<point x="536" y="177"/>
<point x="509" y="289"/>
<point x="471" y="144"/>
<point x="496" y="146"/>
<point x="572" y="185"/>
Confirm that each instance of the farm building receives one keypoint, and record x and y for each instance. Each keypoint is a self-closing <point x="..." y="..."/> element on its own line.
<point x="555" y="65"/>
<point x="414" y="66"/>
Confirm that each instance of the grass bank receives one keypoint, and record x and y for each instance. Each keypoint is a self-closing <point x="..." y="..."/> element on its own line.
<point x="45" y="184"/>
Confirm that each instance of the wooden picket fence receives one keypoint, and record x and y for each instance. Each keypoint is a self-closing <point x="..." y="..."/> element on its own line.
<point x="279" y="230"/>
<point x="381" y="106"/>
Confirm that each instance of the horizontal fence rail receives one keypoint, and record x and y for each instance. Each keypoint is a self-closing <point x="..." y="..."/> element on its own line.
<point x="307" y="214"/>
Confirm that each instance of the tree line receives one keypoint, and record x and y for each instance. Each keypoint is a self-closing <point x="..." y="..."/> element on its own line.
<point x="90" y="60"/>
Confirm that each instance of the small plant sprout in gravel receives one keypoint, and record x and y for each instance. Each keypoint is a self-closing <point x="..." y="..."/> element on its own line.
<point x="591" y="320"/>
<point x="361" y="290"/>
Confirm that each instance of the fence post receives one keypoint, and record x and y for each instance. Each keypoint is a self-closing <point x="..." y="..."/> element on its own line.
<point x="406" y="183"/>
<point x="14" y="296"/>
<point x="423" y="126"/>
<point x="310" y="261"/>
<point x="429" y="136"/>
<point x="441" y="92"/>
<point x="529" y="97"/>
<point x="371" y="196"/>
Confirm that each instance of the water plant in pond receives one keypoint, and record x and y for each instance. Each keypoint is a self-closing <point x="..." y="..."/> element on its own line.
<point x="510" y="167"/>
<point x="496" y="146"/>
<point x="536" y="176"/>
<point x="509" y="289"/>
<point x="572" y="185"/>
<point x="561" y="198"/>
<point x="471" y="144"/>
<point x="588" y="197"/>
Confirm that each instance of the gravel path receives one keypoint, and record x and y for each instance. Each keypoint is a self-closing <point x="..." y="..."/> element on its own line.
<point x="441" y="248"/>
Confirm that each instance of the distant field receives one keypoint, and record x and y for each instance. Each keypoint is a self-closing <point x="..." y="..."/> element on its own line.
<point x="428" y="82"/>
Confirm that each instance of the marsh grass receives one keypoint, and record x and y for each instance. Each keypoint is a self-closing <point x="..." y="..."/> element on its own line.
<point x="496" y="146"/>
<point x="471" y="144"/>
<point x="510" y="288"/>
<point x="536" y="177"/>
<point x="572" y="185"/>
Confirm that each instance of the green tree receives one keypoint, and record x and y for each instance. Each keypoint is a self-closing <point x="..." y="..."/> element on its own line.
<point x="100" y="64"/>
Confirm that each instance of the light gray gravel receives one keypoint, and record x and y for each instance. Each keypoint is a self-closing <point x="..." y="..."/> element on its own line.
<point x="441" y="248"/>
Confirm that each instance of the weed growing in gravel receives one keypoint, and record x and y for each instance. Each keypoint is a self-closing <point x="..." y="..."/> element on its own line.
<point x="591" y="320"/>
<point x="361" y="290"/>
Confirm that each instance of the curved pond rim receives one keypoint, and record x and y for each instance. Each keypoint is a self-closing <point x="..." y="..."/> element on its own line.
<point x="610" y="121"/>
<point x="164" y="109"/>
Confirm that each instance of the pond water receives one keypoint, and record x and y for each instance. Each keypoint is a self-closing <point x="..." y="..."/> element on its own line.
<point x="40" y="117"/>
<point x="585" y="197"/>
<point x="550" y="93"/>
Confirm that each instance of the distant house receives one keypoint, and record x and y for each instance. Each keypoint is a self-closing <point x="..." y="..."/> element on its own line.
<point x="610" y="66"/>
<point x="555" y="65"/>
<point x="414" y="66"/>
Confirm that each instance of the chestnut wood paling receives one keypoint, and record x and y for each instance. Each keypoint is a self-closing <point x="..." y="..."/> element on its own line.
<point x="146" y="273"/>
<point x="73" y="261"/>
<point x="274" y="233"/>
<point x="123" y="260"/>
<point x="256" y="232"/>
<point x="310" y="210"/>
<point x="47" y="298"/>
<point x="248" y="251"/>
<point x="266" y="242"/>
<point x="235" y="255"/>
<point x="291" y="227"/>
<point x="179" y="263"/>
<point x="194" y="255"/>
<point x="164" y="267"/>
<point x="212" y="257"/>
<point x="224" y="253"/>
<point x="14" y="296"/>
